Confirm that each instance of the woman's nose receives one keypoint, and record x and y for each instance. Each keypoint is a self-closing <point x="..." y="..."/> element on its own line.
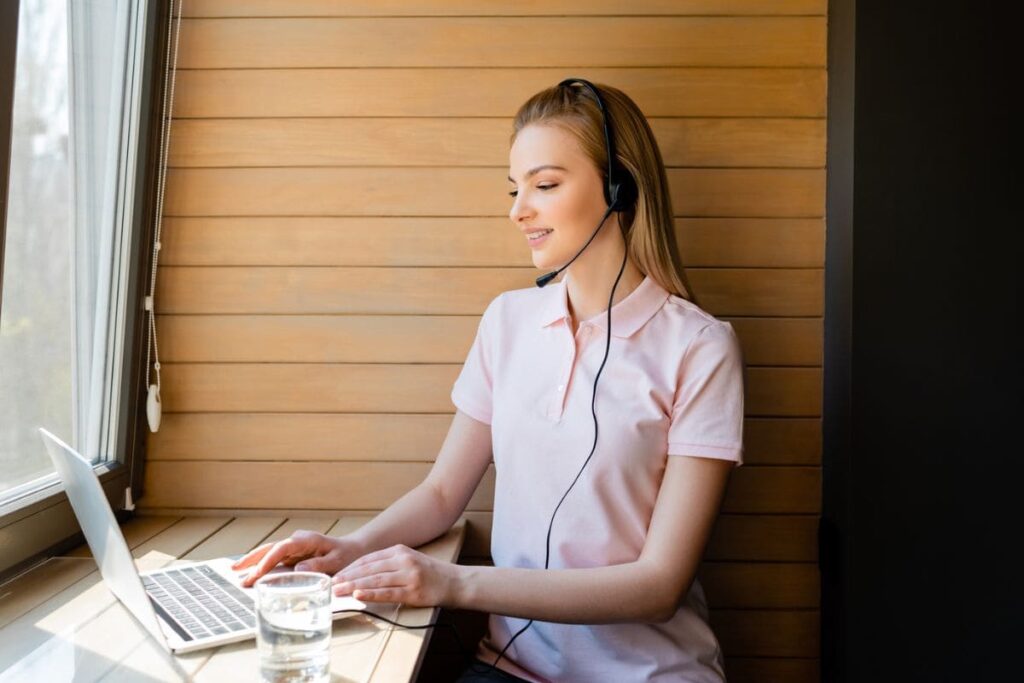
<point x="520" y="209"/>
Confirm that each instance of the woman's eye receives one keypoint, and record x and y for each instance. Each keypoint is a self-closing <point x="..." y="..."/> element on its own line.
<point x="513" y="193"/>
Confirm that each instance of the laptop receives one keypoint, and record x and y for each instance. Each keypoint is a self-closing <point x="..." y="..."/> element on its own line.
<point x="185" y="607"/>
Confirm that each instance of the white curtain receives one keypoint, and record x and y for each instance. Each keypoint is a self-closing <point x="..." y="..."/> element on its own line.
<point x="98" y="32"/>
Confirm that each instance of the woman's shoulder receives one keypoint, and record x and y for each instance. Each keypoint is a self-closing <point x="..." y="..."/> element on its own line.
<point x="691" y="320"/>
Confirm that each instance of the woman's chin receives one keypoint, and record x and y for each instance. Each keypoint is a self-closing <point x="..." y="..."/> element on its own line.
<point x="543" y="261"/>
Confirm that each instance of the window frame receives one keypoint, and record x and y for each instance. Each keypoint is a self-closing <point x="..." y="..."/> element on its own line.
<point x="40" y="524"/>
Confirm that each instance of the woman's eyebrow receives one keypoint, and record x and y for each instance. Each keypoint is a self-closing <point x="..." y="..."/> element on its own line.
<point x="534" y="171"/>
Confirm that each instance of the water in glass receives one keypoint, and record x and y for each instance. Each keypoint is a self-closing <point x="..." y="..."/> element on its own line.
<point x="293" y="631"/>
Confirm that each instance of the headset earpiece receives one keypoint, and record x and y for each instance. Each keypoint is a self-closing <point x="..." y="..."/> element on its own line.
<point x="621" y="193"/>
<point x="611" y="194"/>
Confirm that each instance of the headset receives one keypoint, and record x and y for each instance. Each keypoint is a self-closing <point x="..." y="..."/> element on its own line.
<point x="620" y="193"/>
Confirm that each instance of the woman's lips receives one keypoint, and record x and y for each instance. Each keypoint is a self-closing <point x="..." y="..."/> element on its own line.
<point x="538" y="241"/>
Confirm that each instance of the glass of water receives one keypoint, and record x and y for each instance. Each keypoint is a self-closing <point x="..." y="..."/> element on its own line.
<point x="293" y="627"/>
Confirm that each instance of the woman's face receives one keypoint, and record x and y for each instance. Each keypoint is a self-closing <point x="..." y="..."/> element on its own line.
<point x="565" y="197"/>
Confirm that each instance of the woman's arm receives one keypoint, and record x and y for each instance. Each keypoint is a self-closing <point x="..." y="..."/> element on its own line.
<point x="647" y="590"/>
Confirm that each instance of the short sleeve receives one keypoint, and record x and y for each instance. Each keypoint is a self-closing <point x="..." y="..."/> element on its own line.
<point x="474" y="387"/>
<point x="707" y="415"/>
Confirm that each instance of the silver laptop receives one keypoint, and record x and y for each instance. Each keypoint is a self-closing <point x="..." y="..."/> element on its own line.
<point x="187" y="606"/>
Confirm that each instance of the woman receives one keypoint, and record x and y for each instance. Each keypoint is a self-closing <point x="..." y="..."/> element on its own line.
<point x="618" y="600"/>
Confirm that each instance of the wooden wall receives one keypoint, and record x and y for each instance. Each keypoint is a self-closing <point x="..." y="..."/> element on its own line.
<point x="336" y="221"/>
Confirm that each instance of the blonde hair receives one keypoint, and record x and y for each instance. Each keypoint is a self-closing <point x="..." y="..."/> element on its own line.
<point x="647" y="227"/>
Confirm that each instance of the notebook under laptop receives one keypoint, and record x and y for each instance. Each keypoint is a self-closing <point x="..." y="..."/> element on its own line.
<point x="187" y="606"/>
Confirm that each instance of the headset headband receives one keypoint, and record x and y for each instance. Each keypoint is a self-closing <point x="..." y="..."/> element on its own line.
<point x="616" y="194"/>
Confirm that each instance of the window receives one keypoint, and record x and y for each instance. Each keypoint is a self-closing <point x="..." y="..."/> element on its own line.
<point x="72" y="248"/>
<point x="35" y="330"/>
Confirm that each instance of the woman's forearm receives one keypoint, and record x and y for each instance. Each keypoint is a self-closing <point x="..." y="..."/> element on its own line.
<point x="599" y="595"/>
<point x="416" y="518"/>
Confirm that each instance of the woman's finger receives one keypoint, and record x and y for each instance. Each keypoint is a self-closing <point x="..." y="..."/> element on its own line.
<point x="354" y="572"/>
<point x="380" y="595"/>
<point x="252" y="556"/>
<point x="322" y="564"/>
<point x="279" y="552"/>
<point x="388" y="579"/>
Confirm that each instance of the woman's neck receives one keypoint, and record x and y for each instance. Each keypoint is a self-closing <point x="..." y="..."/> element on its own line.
<point x="590" y="286"/>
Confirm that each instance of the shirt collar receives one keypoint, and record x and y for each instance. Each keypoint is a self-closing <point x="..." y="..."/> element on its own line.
<point x="628" y="316"/>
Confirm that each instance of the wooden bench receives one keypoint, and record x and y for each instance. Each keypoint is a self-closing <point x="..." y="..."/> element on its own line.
<point x="59" y="621"/>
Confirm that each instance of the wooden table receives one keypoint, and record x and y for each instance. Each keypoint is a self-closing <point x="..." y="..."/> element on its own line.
<point x="59" y="622"/>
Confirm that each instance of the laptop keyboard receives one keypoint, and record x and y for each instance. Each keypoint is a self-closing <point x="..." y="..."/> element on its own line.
<point x="201" y="601"/>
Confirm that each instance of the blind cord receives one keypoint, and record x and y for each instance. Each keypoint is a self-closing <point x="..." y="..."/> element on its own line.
<point x="153" y="408"/>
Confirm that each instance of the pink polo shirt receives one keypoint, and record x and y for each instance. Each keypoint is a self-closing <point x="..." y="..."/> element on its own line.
<point x="672" y="385"/>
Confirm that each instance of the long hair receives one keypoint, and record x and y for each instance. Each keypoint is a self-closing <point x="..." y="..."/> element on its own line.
<point x="647" y="226"/>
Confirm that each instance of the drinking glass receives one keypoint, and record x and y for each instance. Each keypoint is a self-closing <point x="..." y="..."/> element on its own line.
<point x="293" y="627"/>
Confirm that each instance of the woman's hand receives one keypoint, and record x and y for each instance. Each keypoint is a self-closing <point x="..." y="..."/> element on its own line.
<point x="307" y="550"/>
<point x="399" y="574"/>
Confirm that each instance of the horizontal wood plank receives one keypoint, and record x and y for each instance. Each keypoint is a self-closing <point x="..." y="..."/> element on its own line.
<point x="404" y="437"/>
<point x="751" y="242"/>
<point x="768" y="633"/>
<point x="257" y="43"/>
<point x="723" y="292"/>
<point x="764" y="537"/>
<point x="461" y="241"/>
<point x="782" y="441"/>
<point x="422" y="141"/>
<point x="333" y="8"/>
<point x="448" y="191"/>
<point x="760" y="669"/>
<point x="376" y="485"/>
<point x="425" y="388"/>
<point x="494" y="91"/>
<point x="385" y="339"/>
<point x="783" y="392"/>
<point x="763" y="585"/>
<point x="726" y="292"/>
